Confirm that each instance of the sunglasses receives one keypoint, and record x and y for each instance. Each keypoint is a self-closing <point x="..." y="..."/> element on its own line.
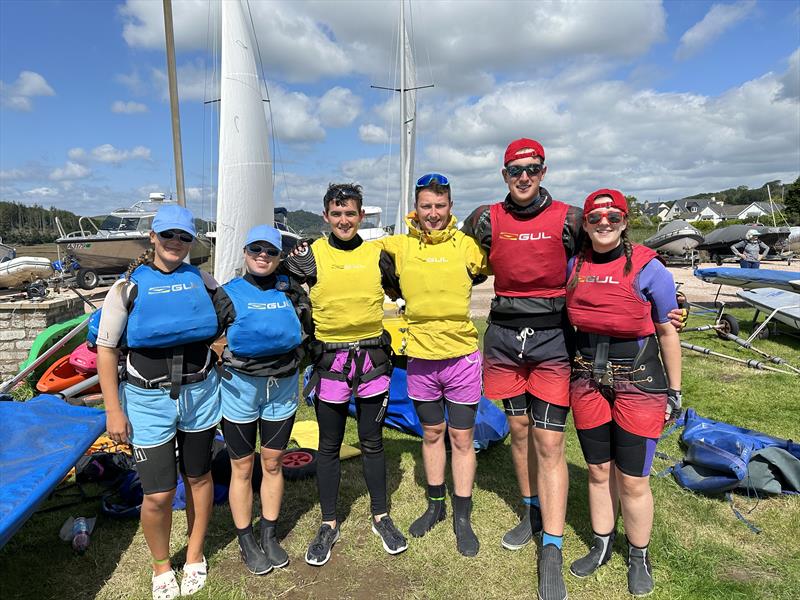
<point x="430" y="178"/>
<point x="615" y="218"/>
<point x="515" y="171"/>
<point x="256" y="249"/>
<point x="181" y="235"/>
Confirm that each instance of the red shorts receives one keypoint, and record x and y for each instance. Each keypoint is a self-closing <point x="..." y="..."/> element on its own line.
<point x="543" y="370"/>
<point x="638" y="412"/>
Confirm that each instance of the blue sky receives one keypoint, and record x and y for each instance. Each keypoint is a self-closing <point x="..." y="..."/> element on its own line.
<point x="659" y="99"/>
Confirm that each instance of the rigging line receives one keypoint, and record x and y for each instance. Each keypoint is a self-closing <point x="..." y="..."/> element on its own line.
<point x="276" y="151"/>
<point x="395" y="78"/>
<point x="436" y="134"/>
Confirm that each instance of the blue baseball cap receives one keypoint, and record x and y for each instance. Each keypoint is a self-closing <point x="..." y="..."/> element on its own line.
<point x="173" y="216"/>
<point x="264" y="233"/>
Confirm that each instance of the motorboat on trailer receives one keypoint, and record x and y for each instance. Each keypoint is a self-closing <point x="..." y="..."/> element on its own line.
<point x="18" y="272"/>
<point x="718" y="242"/>
<point x="123" y="235"/>
<point x="676" y="238"/>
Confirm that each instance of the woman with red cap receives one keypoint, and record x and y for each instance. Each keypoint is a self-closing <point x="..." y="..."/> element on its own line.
<point x="621" y="392"/>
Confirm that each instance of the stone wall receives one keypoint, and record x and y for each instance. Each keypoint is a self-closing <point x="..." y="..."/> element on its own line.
<point x="21" y="321"/>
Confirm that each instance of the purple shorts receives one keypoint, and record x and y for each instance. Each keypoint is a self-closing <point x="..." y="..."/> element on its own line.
<point x="338" y="392"/>
<point x="455" y="379"/>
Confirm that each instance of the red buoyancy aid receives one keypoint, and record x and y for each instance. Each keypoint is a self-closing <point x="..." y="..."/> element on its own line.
<point x="605" y="300"/>
<point x="527" y="255"/>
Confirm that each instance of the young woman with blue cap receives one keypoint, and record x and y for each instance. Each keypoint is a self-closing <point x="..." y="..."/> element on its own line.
<point x="267" y="320"/>
<point x="162" y="311"/>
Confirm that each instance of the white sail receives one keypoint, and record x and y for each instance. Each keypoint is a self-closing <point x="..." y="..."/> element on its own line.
<point x="408" y="126"/>
<point x="244" y="192"/>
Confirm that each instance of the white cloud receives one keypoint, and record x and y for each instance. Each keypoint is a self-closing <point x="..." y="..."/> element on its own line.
<point x="295" y="118"/>
<point x="70" y="170"/>
<point x="790" y="82"/>
<point x="372" y="134"/>
<point x="18" y="95"/>
<point x="76" y="154"/>
<point x="109" y="154"/>
<point x="338" y="107"/>
<point x="12" y="174"/>
<point x="41" y="192"/>
<point x="128" y="108"/>
<point x="716" y="22"/>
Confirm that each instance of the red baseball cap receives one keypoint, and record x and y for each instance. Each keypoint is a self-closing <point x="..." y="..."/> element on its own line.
<point x="615" y="200"/>
<point x="513" y="151"/>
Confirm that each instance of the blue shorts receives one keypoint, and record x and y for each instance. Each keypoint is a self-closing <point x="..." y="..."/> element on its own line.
<point x="247" y="398"/>
<point x="155" y="418"/>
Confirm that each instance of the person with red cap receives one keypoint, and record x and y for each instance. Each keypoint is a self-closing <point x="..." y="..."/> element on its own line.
<point x="529" y="237"/>
<point x="619" y="298"/>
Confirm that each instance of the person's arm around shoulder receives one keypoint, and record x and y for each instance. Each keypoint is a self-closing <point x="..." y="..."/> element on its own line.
<point x="478" y="226"/>
<point x="113" y="321"/>
<point x="477" y="259"/>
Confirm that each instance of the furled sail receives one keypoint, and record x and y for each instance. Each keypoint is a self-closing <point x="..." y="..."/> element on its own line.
<point x="408" y="126"/>
<point x="244" y="189"/>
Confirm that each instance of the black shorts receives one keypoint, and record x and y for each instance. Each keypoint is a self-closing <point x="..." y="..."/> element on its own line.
<point x="518" y="406"/>
<point x="156" y="465"/>
<point x="459" y="416"/>
<point x="632" y="454"/>
<point x="544" y="415"/>
<point x="241" y="437"/>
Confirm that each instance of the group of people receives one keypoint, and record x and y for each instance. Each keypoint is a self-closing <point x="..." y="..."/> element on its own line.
<point x="581" y="319"/>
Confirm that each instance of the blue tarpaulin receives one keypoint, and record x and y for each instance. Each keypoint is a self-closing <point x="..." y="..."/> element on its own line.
<point x="40" y="441"/>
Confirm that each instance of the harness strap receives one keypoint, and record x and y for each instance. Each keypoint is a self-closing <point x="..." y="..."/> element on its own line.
<point x="176" y="372"/>
<point x="600" y="368"/>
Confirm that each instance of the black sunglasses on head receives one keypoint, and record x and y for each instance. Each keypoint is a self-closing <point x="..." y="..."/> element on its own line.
<point x="171" y="233"/>
<point x="256" y="249"/>
<point x="517" y="170"/>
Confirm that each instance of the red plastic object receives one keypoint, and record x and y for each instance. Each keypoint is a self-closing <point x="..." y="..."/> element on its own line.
<point x="61" y="375"/>
<point x="84" y="359"/>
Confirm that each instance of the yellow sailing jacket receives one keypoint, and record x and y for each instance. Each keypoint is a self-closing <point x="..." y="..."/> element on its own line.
<point x="435" y="270"/>
<point x="347" y="299"/>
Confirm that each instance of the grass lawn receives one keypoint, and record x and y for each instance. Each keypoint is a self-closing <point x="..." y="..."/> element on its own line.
<point x="699" y="549"/>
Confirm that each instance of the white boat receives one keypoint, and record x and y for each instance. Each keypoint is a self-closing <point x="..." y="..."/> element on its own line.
<point x="108" y="248"/>
<point x="676" y="238"/>
<point x="23" y="270"/>
<point x="371" y="227"/>
<point x="785" y="305"/>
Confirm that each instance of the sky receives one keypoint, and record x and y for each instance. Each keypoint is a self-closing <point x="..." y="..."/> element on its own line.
<point x="658" y="99"/>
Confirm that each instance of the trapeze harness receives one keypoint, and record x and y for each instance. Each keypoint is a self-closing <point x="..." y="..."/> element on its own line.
<point x="171" y="310"/>
<point x="605" y="302"/>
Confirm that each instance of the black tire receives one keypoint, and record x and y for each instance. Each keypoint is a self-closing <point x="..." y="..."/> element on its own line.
<point x="299" y="463"/>
<point x="764" y="333"/>
<point x="717" y="258"/>
<point x="729" y="325"/>
<point x="87" y="279"/>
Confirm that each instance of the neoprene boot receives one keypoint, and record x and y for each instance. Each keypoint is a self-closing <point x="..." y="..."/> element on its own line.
<point x="640" y="573"/>
<point x="269" y="544"/>
<point x="599" y="554"/>
<point x="518" y="537"/>
<point x="551" y="580"/>
<point x="435" y="513"/>
<point x="466" y="540"/>
<point x="252" y="556"/>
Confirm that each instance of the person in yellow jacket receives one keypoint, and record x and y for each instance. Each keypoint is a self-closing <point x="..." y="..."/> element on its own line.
<point x="437" y="265"/>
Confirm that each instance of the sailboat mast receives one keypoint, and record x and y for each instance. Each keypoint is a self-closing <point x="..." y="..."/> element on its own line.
<point x="402" y="205"/>
<point x="177" y="149"/>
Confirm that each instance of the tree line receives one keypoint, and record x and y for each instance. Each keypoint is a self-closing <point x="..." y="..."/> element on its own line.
<point x="26" y="225"/>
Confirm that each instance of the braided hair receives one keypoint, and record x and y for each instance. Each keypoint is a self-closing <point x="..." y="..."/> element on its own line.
<point x="145" y="258"/>
<point x="587" y="247"/>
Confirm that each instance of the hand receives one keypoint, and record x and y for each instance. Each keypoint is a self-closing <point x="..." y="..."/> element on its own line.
<point x="674" y="403"/>
<point x="678" y="318"/>
<point x="300" y="249"/>
<point x="118" y="427"/>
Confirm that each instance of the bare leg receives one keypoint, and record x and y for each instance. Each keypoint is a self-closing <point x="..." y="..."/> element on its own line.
<point x="522" y="454"/>
<point x="156" y="517"/>
<point x="271" y="483"/>
<point x="603" y="497"/>
<point x="434" y="456"/>
<point x="552" y="479"/>
<point x="463" y="460"/>
<point x="199" y="500"/>
<point x="636" y="501"/>
<point x="240" y="494"/>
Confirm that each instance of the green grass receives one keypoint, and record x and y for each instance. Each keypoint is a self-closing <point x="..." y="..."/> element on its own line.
<point x="699" y="549"/>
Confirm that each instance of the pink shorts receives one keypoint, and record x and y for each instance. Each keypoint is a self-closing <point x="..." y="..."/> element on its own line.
<point x="338" y="392"/>
<point x="455" y="379"/>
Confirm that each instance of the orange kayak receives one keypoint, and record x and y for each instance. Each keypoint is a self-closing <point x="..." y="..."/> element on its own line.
<point x="61" y="375"/>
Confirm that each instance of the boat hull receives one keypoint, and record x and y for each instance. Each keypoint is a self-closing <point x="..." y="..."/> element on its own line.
<point x="750" y="279"/>
<point x="111" y="256"/>
<point x="677" y="238"/>
<point x="767" y="300"/>
<point x="21" y="271"/>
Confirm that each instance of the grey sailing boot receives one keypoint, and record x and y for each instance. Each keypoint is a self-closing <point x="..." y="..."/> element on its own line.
<point x="599" y="554"/>
<point x="640" y="573"/>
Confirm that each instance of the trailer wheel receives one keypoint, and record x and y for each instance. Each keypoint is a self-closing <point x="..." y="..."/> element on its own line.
<point x="763" y="334"/>
<point x="299" y="463"/>
<point x="729" y="324"/>
<point x="717" y="258"/>
<point x="87" y="279"/>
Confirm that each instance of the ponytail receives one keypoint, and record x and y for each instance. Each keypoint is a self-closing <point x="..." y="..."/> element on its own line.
<point x="587" y="247"/>
<point x="145" y="258"/>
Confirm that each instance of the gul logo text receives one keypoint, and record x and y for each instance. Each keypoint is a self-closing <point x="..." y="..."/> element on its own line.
<point x="267" y="305"/>
<point x="168" y="289"/>
<point x="524" y="237"/>
<point x="436" y="259"/>
<point x="597" y="279"/>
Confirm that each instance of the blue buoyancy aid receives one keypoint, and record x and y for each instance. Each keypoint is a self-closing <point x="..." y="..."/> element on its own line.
<point x="171" y="309"/>
<point x="266" y="323"/>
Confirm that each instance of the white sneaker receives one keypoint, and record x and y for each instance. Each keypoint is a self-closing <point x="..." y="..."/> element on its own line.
<point x="165" y="586"/>
<point x="194" y="577"/>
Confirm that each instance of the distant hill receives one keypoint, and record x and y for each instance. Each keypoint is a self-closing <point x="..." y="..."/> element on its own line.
<point x="743" y="195"/>
<point x="25" y="225"/>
